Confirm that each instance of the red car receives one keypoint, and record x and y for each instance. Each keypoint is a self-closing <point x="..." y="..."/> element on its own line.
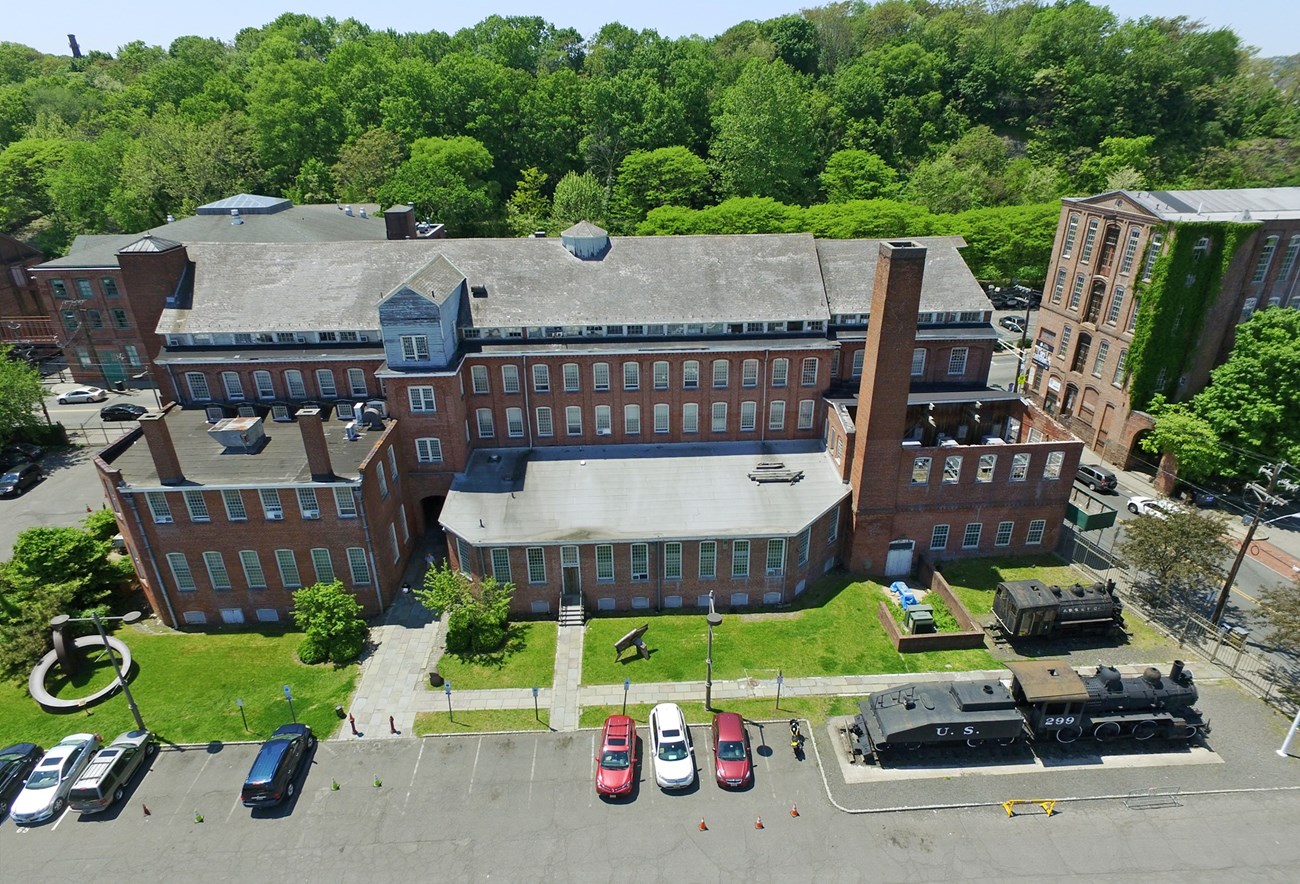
<point x="616" y="764"/>
<point x="734" y="768"/>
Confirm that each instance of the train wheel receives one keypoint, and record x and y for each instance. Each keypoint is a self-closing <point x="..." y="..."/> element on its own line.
<point x="1144" y="730"/>
<point x="1186" y="732"/>
<point x="1008" y="741"/>
<point x="974" y="744"/>
<point x="911" y="747"/>
<point x="1069" y="734"/>
<point x="1107" y="730"/>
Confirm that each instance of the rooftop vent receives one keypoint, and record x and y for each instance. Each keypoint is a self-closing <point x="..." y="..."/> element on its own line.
<point x="234" y="217"/>
<point x="478" y="291"/>
<point x="347" y="210"/>
<point x="237" y="434"/>
<point x="774" y="471"/>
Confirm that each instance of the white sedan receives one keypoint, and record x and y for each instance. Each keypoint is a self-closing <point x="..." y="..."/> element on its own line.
<point x="46" y="792"/>
<point x="83" y="394"/>
<point x="670" y="745"/>
<point x="1153" y="506"/>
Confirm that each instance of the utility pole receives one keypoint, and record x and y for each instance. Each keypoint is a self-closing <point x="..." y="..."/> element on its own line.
<point x="1265" y="496"/>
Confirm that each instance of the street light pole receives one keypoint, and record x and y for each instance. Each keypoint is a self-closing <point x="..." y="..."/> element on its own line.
<point x="1265" y="496"/>
<point x="713" y="619"/>
<point x="117" y="670"/>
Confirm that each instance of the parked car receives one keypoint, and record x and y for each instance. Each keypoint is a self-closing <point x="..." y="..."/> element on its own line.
<point x="670" y="743"/>
<point x="1153" y="506"/>
<point x="20" y="451"/>
<point x="46" y="792"/>
<point x="616" y="764"/>
<point x="733" y="765"/>
<point x="1014" y="323"/>
<point x="18" y="479"/>
<point x="83" y="394"/>
<point x="271" y="778"/>
<point x="1096" y="477"/>
<point x="16" y="762"/>
<point x="105" y="779"/>
<point x="122" y="411"/>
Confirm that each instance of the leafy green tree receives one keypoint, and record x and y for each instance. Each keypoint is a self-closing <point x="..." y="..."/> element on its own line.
<point x="1281" y="605"/>
<point x="1179" y="555"/>
<point x="476" y="615"/>
<point x="446" y="179"/>
<point x="1126" y="161"/>
<point x="20" y="396"/>
<point x="1188" y="437"/>
<point x="366" y="163"/>
<point x="795" y="41"/>
<point x="528" y="207"/>
<point x="48" y="556"/>
<point x="578" y="198"/>
<point x="100" y="524"/>
<point x="80" y="186"/>
<point x="667" y="176"/>
<point x="314" y="184"/>
<point x="764" y="140"/>
<point x="25" y="615"/>
<point x="331" y="618"/>
<point x="856" y="175"/>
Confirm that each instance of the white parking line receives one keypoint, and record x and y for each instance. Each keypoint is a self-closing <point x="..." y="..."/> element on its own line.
<point x="477" y="749"/>
<point x="66" y="811"/>
<point x="532" y="772"/>
<point x="411" y="785"/>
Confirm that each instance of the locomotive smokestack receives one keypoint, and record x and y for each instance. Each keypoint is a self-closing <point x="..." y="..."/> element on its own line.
<point x="1176" y="671"/>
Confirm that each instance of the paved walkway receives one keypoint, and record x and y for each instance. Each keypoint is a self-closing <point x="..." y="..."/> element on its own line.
<point x="568" y="677"/>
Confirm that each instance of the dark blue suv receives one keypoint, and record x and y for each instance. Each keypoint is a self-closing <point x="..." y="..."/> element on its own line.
<point x="271" y="779"/>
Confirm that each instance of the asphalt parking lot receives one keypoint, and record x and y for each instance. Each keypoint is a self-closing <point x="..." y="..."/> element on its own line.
<point x="522" y="808"/>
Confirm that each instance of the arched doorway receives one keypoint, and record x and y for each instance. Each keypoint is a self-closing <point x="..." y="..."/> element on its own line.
<point x="1140" y="460"/>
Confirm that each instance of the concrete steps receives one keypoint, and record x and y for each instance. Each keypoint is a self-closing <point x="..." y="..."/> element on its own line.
<point x="572" y="615"/>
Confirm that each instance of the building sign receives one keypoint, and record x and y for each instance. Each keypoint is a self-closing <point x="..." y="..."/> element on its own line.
<point x="1054" y="384"/>
<point x="1042" y="354"/>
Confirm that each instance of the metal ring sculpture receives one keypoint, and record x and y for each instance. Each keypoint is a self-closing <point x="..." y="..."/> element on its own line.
<point x="51" y="703"/>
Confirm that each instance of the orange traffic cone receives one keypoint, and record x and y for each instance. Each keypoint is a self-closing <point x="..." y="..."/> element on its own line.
<point x="794" y="810"/>
<point x="758" y="823"/>
<point x="703" y="827"/>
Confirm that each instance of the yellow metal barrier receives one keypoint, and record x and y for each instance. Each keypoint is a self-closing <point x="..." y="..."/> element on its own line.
<point x="1048" y="805"/>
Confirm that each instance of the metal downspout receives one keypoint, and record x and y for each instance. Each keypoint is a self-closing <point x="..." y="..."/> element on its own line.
<point x="153" y="561"/>
<point x="370" y="549"/>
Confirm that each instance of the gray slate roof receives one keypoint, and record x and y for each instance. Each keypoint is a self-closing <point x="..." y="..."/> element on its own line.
<point x="1241" y="204"/>
<point x="849" y="268"/>
<point x="631" y="492"/>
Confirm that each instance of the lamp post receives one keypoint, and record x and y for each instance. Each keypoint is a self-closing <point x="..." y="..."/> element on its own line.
<point x="714" y="619"/>
<point x="129" y="617"/>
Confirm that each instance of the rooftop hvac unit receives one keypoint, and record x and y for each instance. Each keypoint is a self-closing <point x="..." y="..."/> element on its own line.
<point x="350" y="431"/>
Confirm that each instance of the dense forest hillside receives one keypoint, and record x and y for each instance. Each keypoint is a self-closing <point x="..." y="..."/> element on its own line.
<point x="902" y="117"/>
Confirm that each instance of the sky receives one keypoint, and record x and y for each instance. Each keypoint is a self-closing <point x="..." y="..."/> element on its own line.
<point x="107" y="24"/>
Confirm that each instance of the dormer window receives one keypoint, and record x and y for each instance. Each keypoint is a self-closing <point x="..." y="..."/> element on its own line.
<point x="415" y="348"/>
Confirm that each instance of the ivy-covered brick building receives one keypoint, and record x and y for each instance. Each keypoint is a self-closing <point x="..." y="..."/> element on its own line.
<point x="1143" y="297"/>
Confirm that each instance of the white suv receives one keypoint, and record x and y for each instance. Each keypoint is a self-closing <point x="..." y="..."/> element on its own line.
<point x="670" y="745"/>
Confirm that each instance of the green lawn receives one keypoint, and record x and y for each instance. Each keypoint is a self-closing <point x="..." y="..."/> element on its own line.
<point x="813" y="709"/>
<point x="482" y="720"/>
<point x="974" y="581"/>
<point x="832" y="631"/>
<point x="528" y="661"/>
<point x="186" y="686"/>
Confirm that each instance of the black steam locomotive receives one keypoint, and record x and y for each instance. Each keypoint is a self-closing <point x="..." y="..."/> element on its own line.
<point x="1046" y="701"/>
<point x="1031" y="608"/>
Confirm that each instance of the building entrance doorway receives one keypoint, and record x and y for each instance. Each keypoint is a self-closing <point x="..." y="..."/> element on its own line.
<point x="571" y="591"/>
<point x="898" y="562"/>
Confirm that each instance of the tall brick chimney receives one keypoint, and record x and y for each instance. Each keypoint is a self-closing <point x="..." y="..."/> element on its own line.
<point x="313" y="439"/>
<point x="161" y="448"/>
<point x="882" y="401"/>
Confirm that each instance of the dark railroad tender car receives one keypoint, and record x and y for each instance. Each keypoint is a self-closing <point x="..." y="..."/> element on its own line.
<point x="1031" y="608"/>
<point x="917" y="715"/>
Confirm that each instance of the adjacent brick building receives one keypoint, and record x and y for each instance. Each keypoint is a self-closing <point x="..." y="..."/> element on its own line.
<point x="608" y="423"/>
<point x="1189" y="265"/>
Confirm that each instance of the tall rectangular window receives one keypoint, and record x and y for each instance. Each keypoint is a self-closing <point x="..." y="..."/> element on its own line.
<point x="631" y="419"/>
<point x="780" y="372"/>
<point x="573" y="420"/>
<point x="1066" y="332"/>
<point x="708" y="559"/>
<point x="1153" y="252"/>
<point x="1289" y="258"/>
<point x="1053" y="464"/>
<point x="1019" y="467"/>
<point x="740" y="558"/>
<point x="217" y="572"/>
<point x="1058" y="289"/>
<point x="1099" y="363"/>
<point x="604" y="420"/>
<point x="415" y="348"/>
<point x="536" y="564"/>
<point x="918" y="362"/>
<point x="749" y="373"/>
<point x="288" y="565"/>
<point x="776" y="557"/>
<point x="307" y="504"/>
<point x="719" y="417"/>
<point x="833" y="526"/>
<point x="254" y="576"/>
<point x="197" y="506"/>
<point x="952" y="469"/>
<point x="1118" y="377"/>
<point x="1130" y="250"/>
<point x="806" y="413"/>
<point x="197" y="381"/>
<point x="486" y="425"/>
<point x="323" y="565"/>
<point x="939" y="537"/>
<point x="1035" y="534"/>
<point x="921" y="471"/>
<point x="132" y="355"/>
<point x="1089" y="239"/>
<point x="359" y="565"/>
<point x="501" y="564"/>
<point x="1003" y="537"/>
<point x="673" y="561"/>
<point x="988" y="463"/>
<point x="970" y="539"/>
<point x="631" y="375"/>
<point x="661" y="417"/>
<point x="600" y="376"/>
<point x="382" y="478"/>
<point x="804" y="541"/>
<point x="747" y="419"/>
<point x="265" y="388"/>
<point x="690" y="375"/>
<point x="428" y="450"/>
<point x="1076" y="293"/>
<point x="181" y="572"/>
<point x="345" y="502"/>
<point x="1071" y="231"/>
<point x="855" y="370"/>
<point x="515" y="422"/>
<point x="1265" y="259"/>
<point x="541" y="379"/>
<point x="690" y="417"/>
<point x="570" y="373"/>
<point x="640" y="561"/>
<point x="604" y="562"/>
<point x="272" y="509"/>
<point x="1116" y="304"/>
<point x="721" y="369"/>
<point x="509" y="379"/>
<point x="233" y="384"/>
<point x="776" y="416"/>
<point x="478" y="377"/>
<point x="422" y="401"/>
<point x="325" y="383"/>
<point x="660" y="373"/>
<point x="957" y="361"/>
<point x="808" y="373"/>
<point x="234" y="502"/>
<point x="357" y="383"/>
<point x="545" y="422"/>
<point x="462" y="556"/>
<point x="293" y="383"/>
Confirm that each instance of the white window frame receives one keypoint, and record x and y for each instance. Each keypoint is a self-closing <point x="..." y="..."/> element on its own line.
<point x="808" y="371"/>
<point x="748" y="416"/>
<point x="541" y="378"/>
<point x="545" y="422"/>
<point x="939" y="537"/>
<point x="1034" y="536"/>
<point x="428" y="449"/>
<point x="659" y="375"/>
<point x="721" y="373"/>
<point x="485" y="422"/>
<point x="294" y="386"/>
<point x="690" y="417"/>
<point x="572" y="377"/>
<point x="415" y="348"/>
<point x="631" y="375"/>
<point x="501" y="564"/>
<point x="918" y="362"/>
<point x="1019" y="467"/>
<point x="233" y="500"/>
<point x="536" y="564"/>
<point x="718" y="417"/>
<point x="673" y="560"/>
<point x="639" y="557"/>
<point x="422" y="400"/>
<point x="1004" y="532"/>
<point x="264" y="383"/>
<point x="631" y="419"/>
<point x="308" y="504"/>
<point x="234" y="385"/>
<point x="661" y="417"/>
<point x="749" y="373"/>
<point x="739" y="558"/>
<point x="509" y="379"/>
<point x="272" y="506"/>
<point x="921" y="470"/>
<point x="478" y="379"/>
<point x="322" y="564"/>
<point x="197" y="382"/>
<point x="970" y="537"/>
<point x="181" y="573"/>
<point x="780" y="372"/>
<point x="600" y="376"/>
<point x="988" y="464"/>
<point x="254" y="574"/>
<point x="515" y="422"/>
<point x="604" y="563"/>
<point x="358" y="565"/>
<point x="325" y="383"/>
<point x="807" y="413"/>
<point x="197" y="506"/>
<point x="345" y="502"/>
<point x="776" y="416"/>
<point x="708" y="563"/>
<point x="691" y="375"/>
<point x="573" y="420"/>
<point x="774" y="562"/>
<point x="287" y="564"/>
<point x="218" y="574"/>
